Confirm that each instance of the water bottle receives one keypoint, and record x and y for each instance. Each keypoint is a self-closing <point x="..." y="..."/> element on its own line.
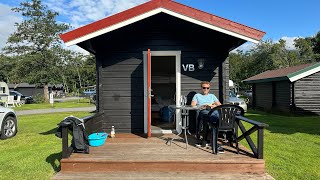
<point x="113" y="132"/>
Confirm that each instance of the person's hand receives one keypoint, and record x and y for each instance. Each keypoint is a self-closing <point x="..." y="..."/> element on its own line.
<point x="203" y="106"/>
<point x="213" y="105"/>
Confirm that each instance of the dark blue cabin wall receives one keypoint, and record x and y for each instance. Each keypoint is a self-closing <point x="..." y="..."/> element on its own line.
<point x="120" y="58"/>
<point x="263" y="95"/>
<point x="282" y="96"/>
<point x="307" y="95"/>
<point x="274" y="95"/>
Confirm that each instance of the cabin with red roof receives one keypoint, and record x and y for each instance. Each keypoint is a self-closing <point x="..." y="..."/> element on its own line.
<point x="294" y="89"/>
<point x="148" y="57"/>
<point x="186" y="46"/>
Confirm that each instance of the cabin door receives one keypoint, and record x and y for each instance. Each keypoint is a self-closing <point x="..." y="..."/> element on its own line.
<point x="147" y="59"/>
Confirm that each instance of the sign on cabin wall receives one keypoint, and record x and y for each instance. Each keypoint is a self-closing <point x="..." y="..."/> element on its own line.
<point x="188" y="67"/>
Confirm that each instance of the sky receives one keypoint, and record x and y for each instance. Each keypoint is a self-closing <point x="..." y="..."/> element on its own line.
<point x="280" y="19"/>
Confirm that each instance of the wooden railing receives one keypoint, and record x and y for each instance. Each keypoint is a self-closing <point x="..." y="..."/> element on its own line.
<point x="66" y="148"/>
<point x="257" y="126"/>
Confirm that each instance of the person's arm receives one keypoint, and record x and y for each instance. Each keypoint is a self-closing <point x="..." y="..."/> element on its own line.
<point x="194" y="101"/>
<point x="216" y="102"/>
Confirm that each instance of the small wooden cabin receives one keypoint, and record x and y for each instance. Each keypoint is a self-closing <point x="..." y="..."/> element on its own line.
<point x="186" y="45"/>
<point x="295" y="89"/>
<point x="28" y="89"/>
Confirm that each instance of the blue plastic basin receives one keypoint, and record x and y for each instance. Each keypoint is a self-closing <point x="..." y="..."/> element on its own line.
<point x="97" y="139"/>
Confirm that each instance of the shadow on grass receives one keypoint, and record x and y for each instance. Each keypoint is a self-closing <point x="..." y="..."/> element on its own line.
<point x="52" y="131"/>
<point x="54" y="160"/>
<point x="287" y="124"/>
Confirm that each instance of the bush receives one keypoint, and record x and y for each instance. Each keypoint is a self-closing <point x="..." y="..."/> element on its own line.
<point x="38" y="99"/>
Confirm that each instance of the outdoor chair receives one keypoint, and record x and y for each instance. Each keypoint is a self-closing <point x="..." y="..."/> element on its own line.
<point x="4" y="100"/>
<point x="10" y="101"/>
<point x="18" y="102"/>
<point x="226" y="123"/>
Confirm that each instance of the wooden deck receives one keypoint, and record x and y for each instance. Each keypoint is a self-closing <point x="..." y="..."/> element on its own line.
<point x="128" y="152"/>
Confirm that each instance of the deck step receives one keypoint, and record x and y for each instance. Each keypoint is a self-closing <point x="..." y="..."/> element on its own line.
<point x="161" y="175"/>
<point x="103" y="165"/>
<point x="140" y="155"/>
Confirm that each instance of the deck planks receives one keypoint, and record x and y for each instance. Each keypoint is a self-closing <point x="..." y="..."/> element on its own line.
<point x="128" y="152"/>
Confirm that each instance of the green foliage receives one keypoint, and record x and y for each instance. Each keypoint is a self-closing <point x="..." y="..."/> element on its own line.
<point x="34" y="53"/>
<point x="36" y="41"/>
<point x="37" y="33"/>
<point x="38" y="99"/>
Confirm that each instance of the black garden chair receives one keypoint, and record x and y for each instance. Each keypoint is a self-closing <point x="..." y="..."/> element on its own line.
<point x="226" y="123"/>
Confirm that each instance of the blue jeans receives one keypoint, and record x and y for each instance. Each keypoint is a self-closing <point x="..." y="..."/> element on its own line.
<point x="203" y="120"/>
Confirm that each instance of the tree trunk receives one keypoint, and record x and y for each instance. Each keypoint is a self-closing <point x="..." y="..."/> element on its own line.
<point x="46" y="92"/>
<point x="79" y="78"/>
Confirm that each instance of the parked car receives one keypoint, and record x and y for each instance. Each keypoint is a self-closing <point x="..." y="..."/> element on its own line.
<point x="23" y="99"/>
<point x="248" y="93"/>
<point x="233" y="99"/>
<point x="89" y="92"/>
<point x="8" y="123"/>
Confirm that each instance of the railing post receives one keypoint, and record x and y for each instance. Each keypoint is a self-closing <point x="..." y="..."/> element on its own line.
<point x="65" y="148"/>
<point x="260" y="143"/>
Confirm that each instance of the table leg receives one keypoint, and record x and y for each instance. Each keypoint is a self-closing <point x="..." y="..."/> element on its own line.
<point x="185" y="118"/>
<point x="187" y="125"/>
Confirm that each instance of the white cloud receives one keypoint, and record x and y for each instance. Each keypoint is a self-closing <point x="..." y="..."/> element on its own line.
<point x="289" y="42"/>
<point x="249" y="45"/>
<point x="245" y="47"/>
<point x="7" y="20"/>
<point x="77" y="49"/>
<point x="82" y="12"/>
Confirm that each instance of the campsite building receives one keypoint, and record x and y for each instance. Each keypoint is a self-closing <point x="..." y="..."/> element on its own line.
<point x="186" y="45"/>
<point x="294" y="89"/>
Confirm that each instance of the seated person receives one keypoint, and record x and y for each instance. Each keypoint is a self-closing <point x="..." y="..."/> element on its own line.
<point x="206" y="101"/>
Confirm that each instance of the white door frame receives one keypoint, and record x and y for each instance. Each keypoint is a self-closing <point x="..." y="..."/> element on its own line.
<point x="177" y="54"/>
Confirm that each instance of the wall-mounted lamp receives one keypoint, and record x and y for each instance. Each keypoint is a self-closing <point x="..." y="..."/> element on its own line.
<point x="201" y="63"/>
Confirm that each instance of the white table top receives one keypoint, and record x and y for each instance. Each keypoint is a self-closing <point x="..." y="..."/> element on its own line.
<point x="187" y="107"/>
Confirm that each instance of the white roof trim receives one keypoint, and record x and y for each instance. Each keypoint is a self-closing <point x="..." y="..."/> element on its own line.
<point x="305" y="74"/>
<point x="151" y="13"/>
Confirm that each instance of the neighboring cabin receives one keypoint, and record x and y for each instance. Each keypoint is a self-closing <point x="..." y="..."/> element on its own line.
<point x="180" y="39"/>
<point x="294" y="89"/>
<point x="28" y="89"/>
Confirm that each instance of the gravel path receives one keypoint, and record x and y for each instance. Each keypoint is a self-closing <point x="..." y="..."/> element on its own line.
<point x="47" y="111"/>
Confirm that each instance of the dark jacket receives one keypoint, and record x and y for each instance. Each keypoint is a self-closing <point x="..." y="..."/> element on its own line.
<point x="79" y="135"/>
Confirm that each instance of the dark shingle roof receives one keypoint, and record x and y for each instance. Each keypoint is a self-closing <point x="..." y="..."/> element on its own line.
<point x="282" y="74"/>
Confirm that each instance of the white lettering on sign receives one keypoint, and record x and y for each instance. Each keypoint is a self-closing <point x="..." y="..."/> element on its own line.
<point x="188" y="67"/>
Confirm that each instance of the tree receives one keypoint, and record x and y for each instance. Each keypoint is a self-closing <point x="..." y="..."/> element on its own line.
<point x="309" y="48"/>
<point x="7" y="69"/>
<point x="36" y="41"/>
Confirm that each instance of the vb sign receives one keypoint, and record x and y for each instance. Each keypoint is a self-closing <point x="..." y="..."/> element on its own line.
<point x="188" y="67"/>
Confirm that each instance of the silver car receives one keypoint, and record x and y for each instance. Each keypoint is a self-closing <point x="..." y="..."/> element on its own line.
<point x="8" y="123"/>
<point x="233" y="99"/>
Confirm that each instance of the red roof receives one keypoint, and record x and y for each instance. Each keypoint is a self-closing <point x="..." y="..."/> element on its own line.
<point x="171" y="6"/>
<point x="279" y="72"/>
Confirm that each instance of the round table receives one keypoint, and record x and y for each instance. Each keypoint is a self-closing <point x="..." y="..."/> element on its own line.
<point x="185" y="119"/>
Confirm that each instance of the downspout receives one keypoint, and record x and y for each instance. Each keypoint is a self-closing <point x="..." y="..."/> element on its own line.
<point x="253" y="95"/>
<point x="293" y="104"/>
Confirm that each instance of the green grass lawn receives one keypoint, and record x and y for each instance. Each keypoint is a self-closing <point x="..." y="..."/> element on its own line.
<point x="66" y="104"/>
<point x="292" y="145"/>
<point x="35" y="151"/>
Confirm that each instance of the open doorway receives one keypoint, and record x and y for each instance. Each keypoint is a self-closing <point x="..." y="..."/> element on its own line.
<point x="162" y="77"/>
<point x="163" y="85"/>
